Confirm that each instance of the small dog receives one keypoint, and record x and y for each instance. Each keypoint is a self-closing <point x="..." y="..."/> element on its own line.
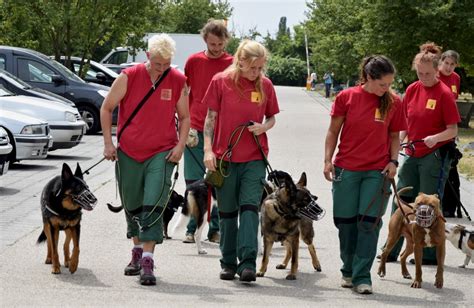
<point x="280" y="222"/>
<point x="462" y="239"/>
<point x="176" y="200"/>
<point x="420" y="232"/>
<point x="62" y="201"/>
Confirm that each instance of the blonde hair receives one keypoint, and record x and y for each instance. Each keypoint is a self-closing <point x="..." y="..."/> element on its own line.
<point x="248" y="51"/>
<point x="161" y="44"/>
<point x="429" y="52"/>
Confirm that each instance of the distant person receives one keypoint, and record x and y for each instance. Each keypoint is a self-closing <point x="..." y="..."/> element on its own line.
<point x="446" y="73"/>
<point x="366" y="119"/>
<point x="200" y="68"/>
<point x="327" y="83"/>
<point x="314" y="80"/>
<point x="148" y="148"/>
<point x="240" y="100"/>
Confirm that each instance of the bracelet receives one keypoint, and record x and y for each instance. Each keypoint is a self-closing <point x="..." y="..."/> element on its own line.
<point x="395" y="162"/>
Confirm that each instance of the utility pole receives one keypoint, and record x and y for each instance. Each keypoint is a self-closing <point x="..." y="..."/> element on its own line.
<point x="308" y="78"/>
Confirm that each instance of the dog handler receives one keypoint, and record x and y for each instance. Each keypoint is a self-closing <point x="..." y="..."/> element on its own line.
<point x="432" y="118"/>
<point x="370" y="117"/>
<point x="149" y="148"/>
<point x="446" y="74"/>
<point x="235" y="97"/>
<point x="200" y="68"/>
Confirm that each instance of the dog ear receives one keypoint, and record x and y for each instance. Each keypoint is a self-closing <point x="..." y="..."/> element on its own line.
<point x="66" y="173"/>
<point x="302" y="181"/>
<point x="78" y="172"/>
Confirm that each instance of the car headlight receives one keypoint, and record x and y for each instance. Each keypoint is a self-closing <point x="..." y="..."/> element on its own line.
<point x="38" y="129"/>
<point x="70" y="117"/>
<point x="103" y="93"/>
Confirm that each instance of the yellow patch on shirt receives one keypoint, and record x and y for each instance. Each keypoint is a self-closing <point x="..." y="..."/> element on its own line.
<point x="431" y="104"/>
<point x="255" y="97"/>
<point x="378" y="115"/>
<point x="166" y="94"/>
<point x="454" y="88"/>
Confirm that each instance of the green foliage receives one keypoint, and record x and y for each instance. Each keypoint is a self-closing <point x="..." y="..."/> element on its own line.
<point x="286" y="71"/>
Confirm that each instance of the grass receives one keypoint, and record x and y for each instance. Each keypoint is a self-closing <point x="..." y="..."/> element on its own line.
<point x="466" y="164"/>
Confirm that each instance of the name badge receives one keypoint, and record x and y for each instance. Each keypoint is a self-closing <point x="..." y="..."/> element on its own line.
<point x="378" y="115"/>
<point x="454" y="88"/>
<point x="166" y="94"/>
<point x="431" y="104"/>
<point x="255" y="97"/>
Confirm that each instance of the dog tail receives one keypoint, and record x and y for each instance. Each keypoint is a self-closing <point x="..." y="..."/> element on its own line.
<point x="41" y="238"/>
<point x="114" y="209"/>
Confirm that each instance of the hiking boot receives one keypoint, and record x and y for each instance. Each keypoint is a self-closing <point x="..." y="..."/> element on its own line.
<point x="346" y="282"/>
<point x="363" y="289"/>
<point x="425" y="262"/>
<point x="189" y="239"/>
<point x="146" y="273"/>
<point x="215" y="238"/>
<point x="133" y="268"/>
<point x="227" y="274"/>
<point x="248" y="275"/>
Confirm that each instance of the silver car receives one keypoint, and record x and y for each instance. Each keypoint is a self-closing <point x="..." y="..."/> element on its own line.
<point x="29" y="137"/>
<point x="5" y="149"/>
<point x="65" y="122"/>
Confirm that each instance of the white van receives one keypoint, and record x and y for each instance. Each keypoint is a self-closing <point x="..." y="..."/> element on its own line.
<point x="186" y="44"/>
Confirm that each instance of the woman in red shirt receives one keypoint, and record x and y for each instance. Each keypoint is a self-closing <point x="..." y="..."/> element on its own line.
<point x="449" y="61"/>
<point x="368" y="118"/>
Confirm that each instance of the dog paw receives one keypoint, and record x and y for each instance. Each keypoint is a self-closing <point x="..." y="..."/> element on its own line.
<point x="202" y="252"/>
<point x="381" y="273"/>
<point x="318" y="268"/>
<point x="291" y="277"/>
<point x="55" y="270"/>
<point x="416" y="284"/>
<point x="48" y="261"/>
<point x="73" y="266"/>
<point x="438" y="284"/>
<point x="66" y="263"/>
<point x="260" y="274"/>
<point x="281" y="266"/>
<point x="407" y="276"/>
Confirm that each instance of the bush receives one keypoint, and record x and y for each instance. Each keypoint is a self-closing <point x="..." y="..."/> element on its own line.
<point x="287" y="71"/>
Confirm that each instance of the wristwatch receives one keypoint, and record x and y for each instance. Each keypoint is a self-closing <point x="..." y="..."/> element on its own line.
<point x="395" y="162"/>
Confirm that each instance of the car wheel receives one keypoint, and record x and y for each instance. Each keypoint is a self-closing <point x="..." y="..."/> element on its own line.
<point x="91" y="116"/>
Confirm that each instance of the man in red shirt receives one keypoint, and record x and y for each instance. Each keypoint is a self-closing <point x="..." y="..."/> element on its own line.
<point x="200" y="68"/>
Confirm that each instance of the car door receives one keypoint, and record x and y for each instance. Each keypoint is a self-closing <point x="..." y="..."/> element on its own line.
<point x="40" y="75"/>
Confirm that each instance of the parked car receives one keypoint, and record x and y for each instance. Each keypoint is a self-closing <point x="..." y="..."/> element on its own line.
<point x="29" y="137"/>
<point x="97" y="72"/>
<point x="65" y="122"/>
<point x="18" y="86"/>
<point x="5" y="149"/>
<point x="40" y="71"/>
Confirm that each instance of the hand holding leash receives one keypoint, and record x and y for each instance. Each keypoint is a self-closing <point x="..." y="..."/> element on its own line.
<point x="210" y="160"/>
<point x="110" y="152"/>
<point x="256" y="128"/>
<point x="175" y="154"/>
<point x="430" y="141"/>
<point x="390" y="170"/>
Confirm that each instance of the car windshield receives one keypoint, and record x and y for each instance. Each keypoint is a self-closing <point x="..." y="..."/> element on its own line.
<point x="105" y="69"/>
<point x="65" y="70"/>
<point x="17" y="82"/>
<point x="4" y="92"/>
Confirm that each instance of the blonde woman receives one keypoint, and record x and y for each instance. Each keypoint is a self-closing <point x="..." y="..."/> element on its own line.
<point x="148" y="146"/>
<point x="240" y="100"/>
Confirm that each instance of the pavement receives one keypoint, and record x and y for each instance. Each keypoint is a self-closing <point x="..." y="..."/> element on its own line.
<point x="184" y="278"/>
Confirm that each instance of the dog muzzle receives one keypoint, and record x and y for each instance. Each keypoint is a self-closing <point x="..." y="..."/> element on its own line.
<point x="85" y="199"/>
<point x="425" y="215"/>
<point x="312" y="211"/>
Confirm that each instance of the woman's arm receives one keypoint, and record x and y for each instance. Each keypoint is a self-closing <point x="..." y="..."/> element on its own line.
<point x="330" y="146"/>
<point x="450" y="132"/>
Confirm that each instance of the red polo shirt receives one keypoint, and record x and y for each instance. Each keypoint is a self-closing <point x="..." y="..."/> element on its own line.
<point x="453" y="82"/>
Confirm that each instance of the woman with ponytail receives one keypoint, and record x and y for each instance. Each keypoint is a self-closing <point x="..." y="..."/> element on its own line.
<point x="367" y="119"/>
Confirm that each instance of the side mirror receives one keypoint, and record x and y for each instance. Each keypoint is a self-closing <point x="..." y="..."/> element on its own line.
<point x="100" y="76"/>
<point x="57" y="79"/>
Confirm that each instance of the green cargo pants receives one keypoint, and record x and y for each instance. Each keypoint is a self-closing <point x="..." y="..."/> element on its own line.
<point x="141" y="186"/>
<point x="359" y="201"/>
<point x="239" y="198"/>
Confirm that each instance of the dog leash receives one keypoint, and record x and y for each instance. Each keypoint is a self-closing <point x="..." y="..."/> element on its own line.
<point x="400" y="202"/>
<point x="458" y="200"/>
<point x="385" y="194"/>
<point x="89" y="169"/>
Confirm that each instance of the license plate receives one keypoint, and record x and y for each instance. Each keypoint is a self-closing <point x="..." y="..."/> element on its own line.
<point x="4" y="167"/>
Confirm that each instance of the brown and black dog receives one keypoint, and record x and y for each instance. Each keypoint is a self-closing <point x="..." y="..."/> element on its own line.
<point x="280" y="223"/>
<point x="62" y="201"/>
<point x="417" y="237"/>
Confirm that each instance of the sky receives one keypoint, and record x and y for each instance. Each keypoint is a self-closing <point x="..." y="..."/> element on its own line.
<point x="265" y="15"/>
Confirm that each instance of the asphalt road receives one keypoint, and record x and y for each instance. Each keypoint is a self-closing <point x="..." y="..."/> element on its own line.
<point x="186" y="279"/>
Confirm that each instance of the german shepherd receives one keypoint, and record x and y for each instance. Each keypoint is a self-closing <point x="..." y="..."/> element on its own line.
<point x="280" y="222"/>
<point x="176" y="200"/>
<point x="62" y="201"/>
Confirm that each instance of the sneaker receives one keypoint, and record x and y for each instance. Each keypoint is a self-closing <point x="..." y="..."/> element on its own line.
<point x="215" y="238"/>
<point x="227" y="274"/>
<point x="346" y="282"/>
<point x="133" y="268"/>
<point x="189" y="239"/>
<point x="146" y="273"/>
<point x="248" y="275"/>
<point x="363" y="289"/>
<point x="425" y="262"/>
